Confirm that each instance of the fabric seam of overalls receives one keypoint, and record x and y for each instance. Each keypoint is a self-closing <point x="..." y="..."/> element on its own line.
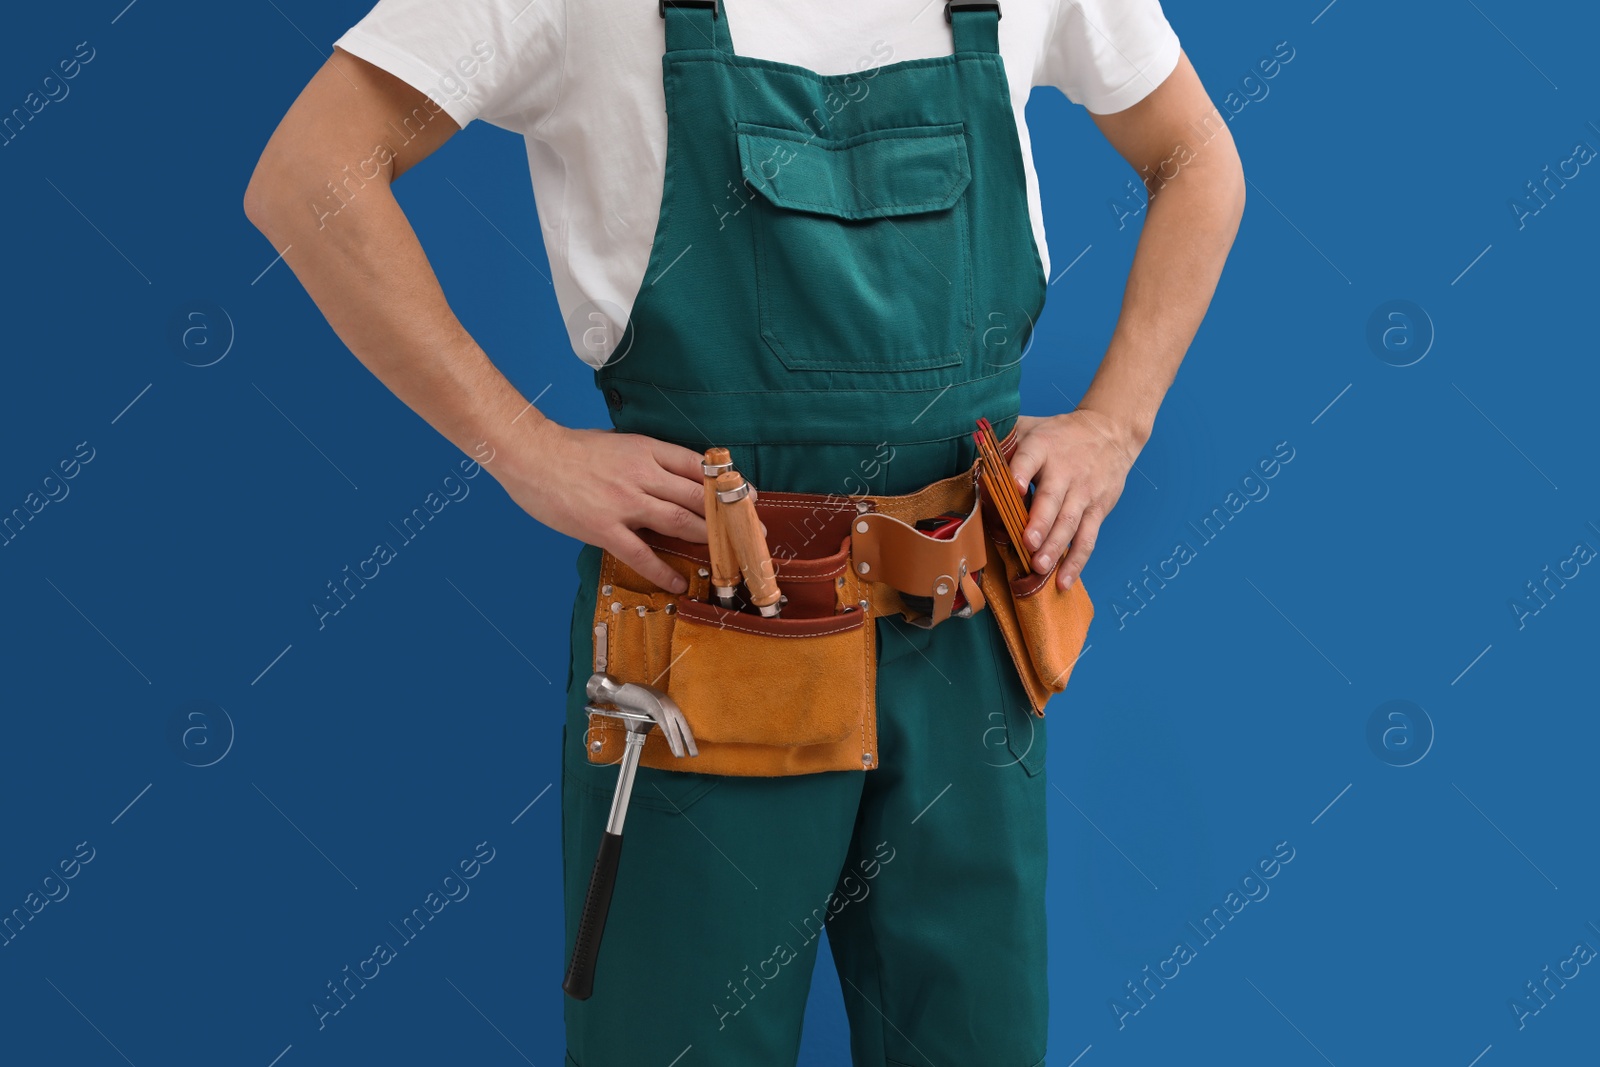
<point x="702" y="361"/>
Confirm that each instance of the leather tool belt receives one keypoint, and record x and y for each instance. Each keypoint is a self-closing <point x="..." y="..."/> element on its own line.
<point x="796" y="694"/>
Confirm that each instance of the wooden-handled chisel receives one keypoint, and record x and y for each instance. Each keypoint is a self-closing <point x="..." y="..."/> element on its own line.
<point x="724" y="561"/>
<point x="749" y="546"/>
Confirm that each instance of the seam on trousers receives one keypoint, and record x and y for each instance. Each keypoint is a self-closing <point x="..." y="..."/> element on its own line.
<point x="877" y="958"/>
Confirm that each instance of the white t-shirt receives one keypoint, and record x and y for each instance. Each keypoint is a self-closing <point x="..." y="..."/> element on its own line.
<point x="581" y="81"/>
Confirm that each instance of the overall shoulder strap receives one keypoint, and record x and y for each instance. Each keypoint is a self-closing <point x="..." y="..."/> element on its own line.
<point x="975" y="27"/>
<point x="695" y="24"/>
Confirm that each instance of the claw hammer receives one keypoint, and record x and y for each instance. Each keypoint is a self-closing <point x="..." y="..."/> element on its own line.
<point x="639" y="708"/>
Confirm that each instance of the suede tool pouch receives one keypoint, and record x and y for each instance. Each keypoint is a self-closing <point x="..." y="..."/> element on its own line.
<point x="763" y="697"/>
<point x="1044" y="626"/>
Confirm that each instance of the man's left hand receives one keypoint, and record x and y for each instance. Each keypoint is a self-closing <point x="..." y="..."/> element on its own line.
<point x="1079" y="462"/>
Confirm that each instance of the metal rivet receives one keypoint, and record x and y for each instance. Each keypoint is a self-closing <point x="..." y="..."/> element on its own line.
<point x="866" y="759"/>
<point x="841" y="579"/>
<point x="596" y="746"/>
<point x="672" y="609"/>
<point x="703" y="573"/>
<point x="862" y="527"/>
<point x="865" y="605"/>
<point x="641" y="609"/>
<point x="605" y="590"/>
<point x="615" y="607"/>
<point x="942" y="589"/>
<point x="863" y="567"/>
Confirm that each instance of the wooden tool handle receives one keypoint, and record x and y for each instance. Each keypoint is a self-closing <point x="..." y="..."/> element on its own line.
<point x="744" y="529"/>
<point x="724" y="560"/>
<point x="579" y="982"/>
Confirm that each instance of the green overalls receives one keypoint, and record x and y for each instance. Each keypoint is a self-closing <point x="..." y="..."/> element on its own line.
<point x="842" y="280"/>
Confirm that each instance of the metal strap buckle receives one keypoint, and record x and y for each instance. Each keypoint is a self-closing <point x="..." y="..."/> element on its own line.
<point x="967" y="5"/>
<point x="662" y="5"/>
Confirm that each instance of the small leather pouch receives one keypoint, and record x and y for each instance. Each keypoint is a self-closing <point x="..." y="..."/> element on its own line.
<point x="1043" y="625"/>
<point x="763" y="697"/>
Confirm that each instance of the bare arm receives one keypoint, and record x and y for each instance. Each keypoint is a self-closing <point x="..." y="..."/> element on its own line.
<point x="1080" y="460"/>
<point x="321" y="194"/>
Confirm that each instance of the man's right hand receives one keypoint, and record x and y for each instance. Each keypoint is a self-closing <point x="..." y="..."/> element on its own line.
<point x="600" y="487"/>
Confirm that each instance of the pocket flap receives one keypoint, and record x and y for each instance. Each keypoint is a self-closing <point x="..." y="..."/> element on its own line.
<point x="901" y="171"/>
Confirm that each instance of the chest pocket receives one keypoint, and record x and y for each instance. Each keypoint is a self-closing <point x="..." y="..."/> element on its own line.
<point x="863" y="249"/>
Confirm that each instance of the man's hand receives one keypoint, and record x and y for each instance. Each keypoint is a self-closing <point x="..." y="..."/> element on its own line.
<point x="600" y="487"/>
<point x="1079" y="462"/>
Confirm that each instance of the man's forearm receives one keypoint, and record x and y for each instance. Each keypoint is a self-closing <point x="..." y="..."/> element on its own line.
<point x="368" y="275"/>
<point x="1188" y="230"/>
<point x="352" y="248"/>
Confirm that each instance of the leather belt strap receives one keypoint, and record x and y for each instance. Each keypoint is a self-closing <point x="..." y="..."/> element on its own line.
<point x="888" y="555"/>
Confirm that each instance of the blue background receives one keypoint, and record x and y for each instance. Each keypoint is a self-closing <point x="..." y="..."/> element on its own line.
<point x="1231" y="712"/>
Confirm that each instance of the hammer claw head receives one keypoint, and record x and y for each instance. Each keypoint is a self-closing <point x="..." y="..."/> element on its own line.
<point x="677" y="726"/>
<point x="646" y="700"/>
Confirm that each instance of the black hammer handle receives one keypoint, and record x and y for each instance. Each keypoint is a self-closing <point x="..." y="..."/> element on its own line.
<point x="579" y="982"/>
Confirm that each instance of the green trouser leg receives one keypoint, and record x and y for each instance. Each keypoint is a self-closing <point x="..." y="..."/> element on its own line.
<point x="944" y="961"/>
<point x="927" y="872"/>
